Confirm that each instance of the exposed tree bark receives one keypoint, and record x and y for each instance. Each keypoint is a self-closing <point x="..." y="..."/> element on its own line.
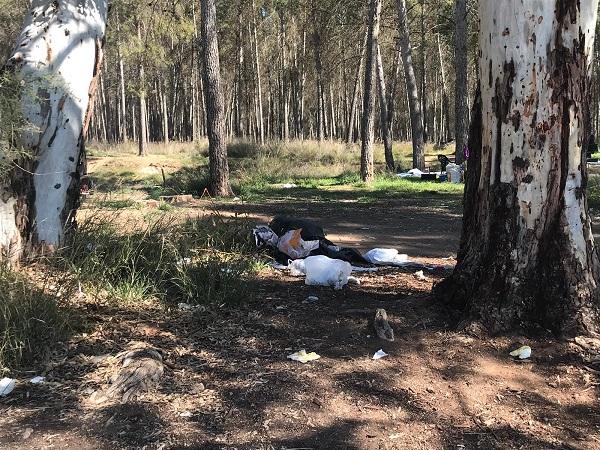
<point x="384" y="124"/>
<point x="260" y="120"/>
<point x="527" y="252"/>
<point x="416" y="118"/>
<point x="368" y="113"/>
<point x="35" y="211"/>
<point x="461" y="66"/>
<point x="215" y="109"/>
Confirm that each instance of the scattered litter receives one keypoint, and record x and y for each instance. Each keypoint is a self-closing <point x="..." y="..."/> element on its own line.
<point x="289" y="186"/>
<point x="412" y="173"/>
<point x="382" y="326"/>
<point x="38" y="380"/>
<point x="365" y="269"/>
<point x="27" y="433"/>
<point x="385" y="256"/>
<point x="264" y="236"/>
<point x="7" y="385"/>
<point x="297" y="268"/>
<point x="324" y="271"/>
<point x="187" y="307"/>
<point x="454" y="173"/>
<point x="235" y="199"/>
<point x="421" y="276"/>
<point x="522" y="353"/>
<point x="184" y="262"/>
<point x="304" y="357"/>
<point x="278" y="266"/>
<point x="186" y="414"/>
<point x="380" y="354"/>
<point x="312" y="299"/>
<point x="353" y="280"/>
<point x="292" y="244"/>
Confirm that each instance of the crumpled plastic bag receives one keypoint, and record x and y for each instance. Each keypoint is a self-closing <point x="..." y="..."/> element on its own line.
<point x="522" y="352"/>
<point x="385" y="256"/>
<point x="265" y="237"/>
<point x="7" y="385"/>
<point x="292" y="244"/>
<point x="304" y="357"/>
<point x="324" y="271"/>
<point x="297" y="268"/>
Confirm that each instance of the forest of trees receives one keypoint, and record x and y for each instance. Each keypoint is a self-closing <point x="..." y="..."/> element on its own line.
<point x="290" y="70"/>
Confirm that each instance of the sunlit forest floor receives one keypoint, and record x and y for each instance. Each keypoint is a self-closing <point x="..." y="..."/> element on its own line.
<point x="228" y="383"/>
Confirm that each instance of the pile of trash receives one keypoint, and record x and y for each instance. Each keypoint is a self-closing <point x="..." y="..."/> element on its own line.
<point x="300" y="246"/>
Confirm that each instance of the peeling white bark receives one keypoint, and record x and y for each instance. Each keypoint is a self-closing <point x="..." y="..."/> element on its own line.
<point x="10" y="238"/>
<point x="527" y="111"/>
<point x="57" y="55"/>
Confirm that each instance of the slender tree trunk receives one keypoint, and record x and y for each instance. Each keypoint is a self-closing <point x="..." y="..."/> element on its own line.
<point x="368" y="115"/>
<point x="527" y="252"/>
<point x="359" y="71"/>
<point x="215" y="109"/>
<point x="385" y="130"/>
<point x="261" y="123"/>
<point x="416" y="119"/>
<point x="462" y="93"/>
<point x="36" y="211"/>
<point x="445" y="108"/>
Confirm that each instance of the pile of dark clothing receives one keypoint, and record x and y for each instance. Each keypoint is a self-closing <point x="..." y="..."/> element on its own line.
<point x="294" y="238"/>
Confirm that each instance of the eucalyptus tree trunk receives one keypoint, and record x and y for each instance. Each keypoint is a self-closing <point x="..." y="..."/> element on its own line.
<point x="461" y="115"/>
<point x="416" y="118"/>
<point x="527" y="252"/>
<point x="445" y="108"/>
<point x="368" y="113"/>
<point x="215" y="108"/>
<point x="385" y="129"/>
<point x="39" y="198"/>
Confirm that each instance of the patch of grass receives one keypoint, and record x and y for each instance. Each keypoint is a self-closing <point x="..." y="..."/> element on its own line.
<point x="199" y="261"/>
<point x="30" y="322"/>
<point x="594" y="191"/>
<point x="117" y="204"/>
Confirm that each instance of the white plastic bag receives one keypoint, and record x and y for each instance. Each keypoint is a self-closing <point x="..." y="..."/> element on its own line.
<point x="324" y="271"/>
<point x="297" y="268"/>
<point x="292" y="244"/>
<point x="385" y="256"/>
<point x="454" y="173"/>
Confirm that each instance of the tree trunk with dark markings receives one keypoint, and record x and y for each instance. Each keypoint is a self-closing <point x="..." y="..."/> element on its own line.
<point x="38" y="201"/>
<point x="527" y="251"/>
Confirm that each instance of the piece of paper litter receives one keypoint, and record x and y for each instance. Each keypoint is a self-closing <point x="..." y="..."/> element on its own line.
<point x="303" y="357"/>
<point x="380" y="354"/>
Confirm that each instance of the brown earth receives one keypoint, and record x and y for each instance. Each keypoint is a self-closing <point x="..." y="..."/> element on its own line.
<point x="229" y="384"/>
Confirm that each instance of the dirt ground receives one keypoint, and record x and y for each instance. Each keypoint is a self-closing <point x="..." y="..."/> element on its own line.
<point x="229" y="385"/>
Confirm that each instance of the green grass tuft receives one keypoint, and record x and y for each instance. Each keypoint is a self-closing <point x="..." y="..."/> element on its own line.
<point x="30" y="322"/>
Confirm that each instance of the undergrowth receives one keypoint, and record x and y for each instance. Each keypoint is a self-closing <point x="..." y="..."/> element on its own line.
<point x="198" y="261"/>
<point x="31" y="322"/>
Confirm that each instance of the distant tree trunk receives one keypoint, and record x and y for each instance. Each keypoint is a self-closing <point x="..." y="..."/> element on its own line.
<point x="416" y="119"/>
<point x="259" y="99"/>
<point x="35" y="211"/>
<point x="527" y="251"/>
<point x="359" y="71"/>
<point x="445" y="109"/>
<point x="142" y="119"/>
<point x="368" y="114"/>
<point x="461" y="89"/>
<point x="385" y="130"/>
<point x="215" y="108"/>
<point x="423" y="51"/>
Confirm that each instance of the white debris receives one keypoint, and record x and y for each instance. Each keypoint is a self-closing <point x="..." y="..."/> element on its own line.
<point x="523" y="352"/>
<point x="7" y="385"/>
<point x="380" y="354"/>
<point x="38" y="380"/>
<point x="420" y="276"/>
